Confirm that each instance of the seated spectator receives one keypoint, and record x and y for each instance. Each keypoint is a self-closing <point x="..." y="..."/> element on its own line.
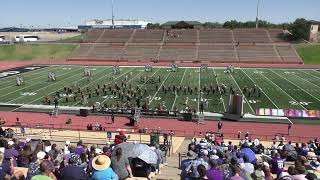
<point x="120" y="165"/>
<point x="45" y="172"/>
<point x="73" y="170"/>
<point x="239" y="158"/>
<point x="79" y="149"/>
<point x="277" y="165"/>
<point x="236" y="171"/>
<point x="34" y="167"/>
<point x="290" y="151"/>
<point x="202" y="172"/>
<point x="140" y="168"/>
<point x="192" y="168"/>
<point x="120" y="138"/>
<point x="285" y="176"/>
<point x="185" y="163"/>
<point x="102" y="169"/>
<point x="292" y="171"/>
<point x="25" y="156"/>
<point x="214" y="173"/>
<point x="5" y="175"/>
<point x="247" y="169"/>
<point x="311" y="176"/>
<point x="267" y="172"/>
<point x="39" y="147"/>
<point x="11" y="153"/>
<point x="301" y="170"/>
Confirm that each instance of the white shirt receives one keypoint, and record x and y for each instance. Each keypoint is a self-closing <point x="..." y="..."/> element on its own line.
<point x="248" y="168"/>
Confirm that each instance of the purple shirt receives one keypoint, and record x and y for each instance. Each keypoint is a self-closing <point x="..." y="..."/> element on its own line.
<point x="11" y="153"/>
<point x="277" y="166"/>
<point x="220" y="161"/>
<point x="214" y="174"/>
<point x="79" y="150"/>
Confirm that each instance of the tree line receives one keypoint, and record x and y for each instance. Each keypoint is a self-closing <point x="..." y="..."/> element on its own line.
<point x="297" y="30"/>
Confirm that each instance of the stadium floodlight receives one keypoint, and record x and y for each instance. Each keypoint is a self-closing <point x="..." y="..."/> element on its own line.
<point x="257" y="18"/>
<point x="112" y="18"/>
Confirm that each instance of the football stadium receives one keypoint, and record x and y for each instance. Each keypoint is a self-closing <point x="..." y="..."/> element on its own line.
<point x="185" y="99"/>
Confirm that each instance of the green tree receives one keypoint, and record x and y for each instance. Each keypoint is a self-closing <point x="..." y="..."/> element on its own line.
<point x="299" y="29"/>
<point x="231" y="24"/>
<point x="153" y="26"/>
<point x="211" y="25"/>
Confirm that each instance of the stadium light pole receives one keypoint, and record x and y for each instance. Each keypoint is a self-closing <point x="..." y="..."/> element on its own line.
<point x="112" y="14"/>
<point x="257" y="18"/>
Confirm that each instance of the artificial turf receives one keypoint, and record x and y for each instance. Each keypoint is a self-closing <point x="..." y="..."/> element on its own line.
<point x="281" y="88"/>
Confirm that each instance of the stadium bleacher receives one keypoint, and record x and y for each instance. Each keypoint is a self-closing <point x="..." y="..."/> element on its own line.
<point x="257" y="53"/>
<point x="215" y="36"/>
<point x="148" y="36"/>
<point x="251" y="36"/>
<point x="220" y="53"/>
<point x="214" y="45"/>
<point x="141" y="52"/>
<point x="177" y="53"/>
<point x="288" y="54"/>
<point x="274" y="34"/>
<point x="115" y="36"/>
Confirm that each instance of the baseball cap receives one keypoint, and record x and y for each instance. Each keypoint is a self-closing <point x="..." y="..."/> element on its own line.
<point x="41" y="155"/>
<point x="10" y="143"/>
<point x="68" y="142"/>
<point x="98" y="151"/>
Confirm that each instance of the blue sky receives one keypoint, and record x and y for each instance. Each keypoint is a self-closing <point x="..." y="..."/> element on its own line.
<point x="75" y="12"/>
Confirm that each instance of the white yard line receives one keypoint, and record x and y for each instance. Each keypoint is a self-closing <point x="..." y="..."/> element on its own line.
<point x="310" y="75"/>
<point x="82" y="87"/>
<point x="46" y="87"/>
<point x="159" y="88"/>
<point x="296" y="85"/>
<point x="253" y="112"/>
<point x="56" y="89"/>
<point x="220" y="98"/>
<point x="260" y="88"/>
<point x="315" y="70"/>
<point x="307" y="81"/>
<point x="25" y="73"/>
<point x="127" y="82"/>
<point x="175" y="98"/>
<point x="26" y="79"/>
<point x="146" y="81"/>
<point x="282" y="90"/>
<point x="75" y="81"/>
<point x="32" y="85"/>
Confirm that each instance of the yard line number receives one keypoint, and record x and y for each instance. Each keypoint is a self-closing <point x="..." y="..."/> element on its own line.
<point x="295" y="103"/>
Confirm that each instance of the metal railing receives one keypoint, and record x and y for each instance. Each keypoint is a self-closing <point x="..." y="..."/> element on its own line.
<point x="142" y="130"/>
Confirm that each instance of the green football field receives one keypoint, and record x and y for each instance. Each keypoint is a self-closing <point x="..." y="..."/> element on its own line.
<point x="280" y="88"/>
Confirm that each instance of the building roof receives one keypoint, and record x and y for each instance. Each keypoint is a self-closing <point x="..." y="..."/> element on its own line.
<point x="170" y="23"/>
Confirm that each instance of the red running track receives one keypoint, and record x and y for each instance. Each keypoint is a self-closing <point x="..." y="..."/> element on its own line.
<point x="265" y="131"/>
<point x="8" y="65"/>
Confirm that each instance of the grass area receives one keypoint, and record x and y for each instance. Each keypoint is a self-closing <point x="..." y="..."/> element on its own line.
<point x="24" y="52"/>
<point x="74" y="39"/>
<point x="309" y="53"/>
<point x="280" y="88"/>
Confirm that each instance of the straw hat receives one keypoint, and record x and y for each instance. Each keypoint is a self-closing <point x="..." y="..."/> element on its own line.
<point x="101" y="162"/>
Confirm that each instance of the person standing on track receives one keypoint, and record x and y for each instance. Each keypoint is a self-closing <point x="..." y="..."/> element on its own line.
<point x="289" y="128"/>
<point x="112" y="117"/>
<point x="219" y="126"/>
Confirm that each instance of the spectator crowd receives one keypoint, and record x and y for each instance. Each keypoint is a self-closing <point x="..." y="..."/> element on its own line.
<point x="211" y="158"/>
<point x="42" y="160"/>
